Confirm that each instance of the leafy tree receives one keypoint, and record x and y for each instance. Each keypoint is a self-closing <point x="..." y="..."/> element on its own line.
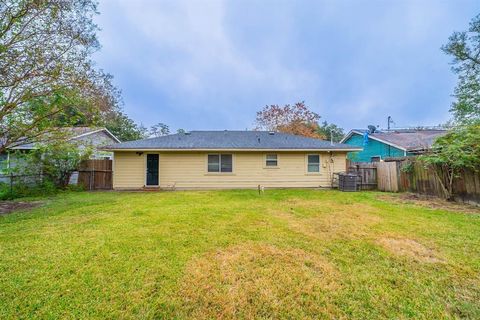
<point x="59" y="160"/>
<point x="47" y="78"/>
<point x="123" y="127"/>
<point x="460" y="148"/>
<point x="108" y="112"/>
<point x="295" y="119"/>
<point x="160" y="129"/>
<point x="465" y="48"/>
<point x="53" y="161"/>
<point x="181" y="131"/>
<point x="329" y="131"/>
<point x="456" y="151"/>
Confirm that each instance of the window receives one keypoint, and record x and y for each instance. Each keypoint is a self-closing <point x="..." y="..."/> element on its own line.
<point x="375" y="159"/>
<point x="220" y="163"/>
<point x="271" y="160"/>
<point x="313" y="164"/>
<point x="3" y="162"/>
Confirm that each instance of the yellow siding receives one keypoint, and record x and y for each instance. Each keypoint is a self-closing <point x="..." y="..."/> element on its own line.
<point x="128" y="170"/>
<point x="188" y="170"/>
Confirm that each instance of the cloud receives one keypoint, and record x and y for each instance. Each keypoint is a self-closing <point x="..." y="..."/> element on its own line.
<point x="212" y="64"/>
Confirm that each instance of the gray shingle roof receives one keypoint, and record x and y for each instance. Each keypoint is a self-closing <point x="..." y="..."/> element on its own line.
<point x="408" y="139"/>
<point x="230" y="140"/>
<point x="71" y="133"/>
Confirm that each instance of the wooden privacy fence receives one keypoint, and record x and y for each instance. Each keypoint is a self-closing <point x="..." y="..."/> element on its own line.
<point x="387" y="175"/>
<point x="423" y="180"/>
<point x="375" y="175"/>
<point x="95" y="174"/>
<point x="366" y="173"/>
<point x="412" y="175"/>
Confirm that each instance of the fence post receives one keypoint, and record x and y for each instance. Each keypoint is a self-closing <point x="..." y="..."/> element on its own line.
<point x="90" y="181"/>
<point x="93" y="173"/>
<point x="11" y="184"/>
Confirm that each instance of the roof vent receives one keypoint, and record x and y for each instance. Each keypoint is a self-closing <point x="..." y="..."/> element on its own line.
<point x="271" y="133"/>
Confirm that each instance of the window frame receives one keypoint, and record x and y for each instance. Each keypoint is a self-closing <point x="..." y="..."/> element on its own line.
<point x="265" y="161"/>
<point x="5" y="163"/>
<point x="207" y="172"/>
<point x="307" y="164"/>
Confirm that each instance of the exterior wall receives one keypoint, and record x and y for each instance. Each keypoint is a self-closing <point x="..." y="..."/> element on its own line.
<point x="188" y="170"/>
<point x="373" y="148"/>
<point x="128" y="170"/>
<point x="96" y="140"/>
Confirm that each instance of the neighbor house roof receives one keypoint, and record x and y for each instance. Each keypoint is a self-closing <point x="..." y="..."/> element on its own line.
<point x="407" y="139"/>
<point x="72" y="133"/>
<point x="230" y="140"/>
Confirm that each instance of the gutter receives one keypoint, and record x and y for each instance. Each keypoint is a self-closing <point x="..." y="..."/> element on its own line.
<point x="230" y="150"/>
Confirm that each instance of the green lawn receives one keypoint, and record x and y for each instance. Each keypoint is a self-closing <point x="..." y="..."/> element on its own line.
<point x="212" y="254"/>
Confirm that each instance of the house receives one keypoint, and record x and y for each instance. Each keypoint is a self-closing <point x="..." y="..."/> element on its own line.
<point x="84" y="136"/>
<point x="379" y="145"/>
<point x="227" y="159"/>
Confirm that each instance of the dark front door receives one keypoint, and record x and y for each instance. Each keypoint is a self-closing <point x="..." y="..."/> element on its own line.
<point x="152" y="169"/>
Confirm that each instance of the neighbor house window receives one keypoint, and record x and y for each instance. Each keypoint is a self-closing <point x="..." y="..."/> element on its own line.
<point x="220" y="163"/>
<point x="375" y="159"/>
<point x="3" y="162"/>
<point x="313" y="164"/>
<point x="271" y="160"/>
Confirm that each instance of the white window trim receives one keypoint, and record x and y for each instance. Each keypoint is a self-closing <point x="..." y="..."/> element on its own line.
<point x="265" y="161"/>
<point x="207" y="173"/>
<point x="319" y="164"/>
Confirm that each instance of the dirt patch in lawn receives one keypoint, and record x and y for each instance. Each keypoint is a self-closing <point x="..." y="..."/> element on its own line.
<point x="410" y="248"/>
<point x="258" y="281"/>
<point x="330" y="221"/>
<point x="7" y="207"/>
<point x="430" y="202"/>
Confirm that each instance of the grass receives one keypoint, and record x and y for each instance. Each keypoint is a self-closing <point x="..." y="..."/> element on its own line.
<point x="234" y="254"/>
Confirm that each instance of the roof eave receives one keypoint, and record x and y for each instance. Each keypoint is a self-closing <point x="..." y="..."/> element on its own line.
<point x="370" y="136"/>
<point x="230" y="149"/>
<point x="349" y="134"/>
<point x="95" y="131"/>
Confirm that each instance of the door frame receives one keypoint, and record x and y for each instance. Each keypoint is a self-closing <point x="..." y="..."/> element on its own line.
<point x="146" y="169"/>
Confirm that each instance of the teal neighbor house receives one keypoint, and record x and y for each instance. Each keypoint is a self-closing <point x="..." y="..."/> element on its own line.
<point x="379" y="145"/>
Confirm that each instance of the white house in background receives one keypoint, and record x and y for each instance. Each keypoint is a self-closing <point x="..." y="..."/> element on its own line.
<point x="92" y="137"/>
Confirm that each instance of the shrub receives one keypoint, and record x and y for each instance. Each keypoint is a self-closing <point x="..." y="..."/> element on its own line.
<point x="456" y="151"/>
<point x="21" y="190"/>
<point x="43" y="171"/>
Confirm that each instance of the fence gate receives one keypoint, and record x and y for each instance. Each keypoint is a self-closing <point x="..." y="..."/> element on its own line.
<point x="366" y="173"/>
<point x="95" y="174"/>
<point x="387" y="176"/>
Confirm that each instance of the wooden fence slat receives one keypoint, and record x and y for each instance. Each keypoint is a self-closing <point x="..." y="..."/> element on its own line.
<point x="95" y="174"/>
<point x="387" y="176"/>
<point x="367" y="174"/>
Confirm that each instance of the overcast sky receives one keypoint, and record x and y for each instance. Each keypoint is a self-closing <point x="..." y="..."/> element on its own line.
<point x="212" y="64"/>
